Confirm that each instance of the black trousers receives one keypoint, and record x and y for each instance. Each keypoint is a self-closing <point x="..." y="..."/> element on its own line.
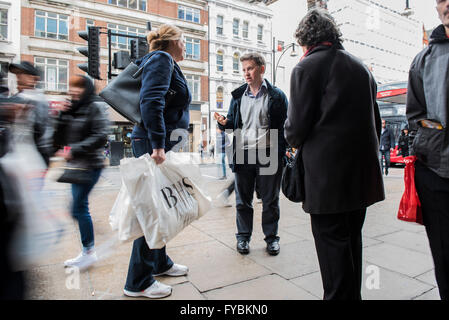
<point x="433" y="192"/>
<point x="144" y="262"/>
<point x="269" y="186"/>
<point x="338" y="242"/>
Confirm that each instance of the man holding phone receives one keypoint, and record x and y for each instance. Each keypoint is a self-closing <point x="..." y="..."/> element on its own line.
<point x="257" y="114"/>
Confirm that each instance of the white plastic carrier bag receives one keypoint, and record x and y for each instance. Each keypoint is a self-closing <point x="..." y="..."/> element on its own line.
<point x="164" y="198"/>
<point x="123" y="219"/>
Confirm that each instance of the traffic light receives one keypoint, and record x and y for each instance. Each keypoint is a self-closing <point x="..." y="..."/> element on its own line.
<point x="138" y="48"/>
<point x="92" y="52"/>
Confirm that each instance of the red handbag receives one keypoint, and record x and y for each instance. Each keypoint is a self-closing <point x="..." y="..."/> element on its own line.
<point x="410" y="206"/>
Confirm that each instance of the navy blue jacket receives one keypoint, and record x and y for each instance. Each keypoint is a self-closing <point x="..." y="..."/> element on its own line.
<point x="159" y="75"/>
<point x="387" y="140"/>
<point x="277" y="114"/>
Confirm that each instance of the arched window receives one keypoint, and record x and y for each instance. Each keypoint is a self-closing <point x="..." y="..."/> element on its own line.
<point x="220" y="60"/>
<point x="220" y="98"/>
<point x="235" y="62"/>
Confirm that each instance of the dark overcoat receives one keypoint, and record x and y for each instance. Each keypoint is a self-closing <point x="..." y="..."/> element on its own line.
<point x="334" y="117"/>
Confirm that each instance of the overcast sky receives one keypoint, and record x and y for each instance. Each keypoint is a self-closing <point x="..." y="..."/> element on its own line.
<point x="289" y="12"/>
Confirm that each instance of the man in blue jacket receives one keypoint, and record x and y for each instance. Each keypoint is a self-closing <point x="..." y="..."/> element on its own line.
<point x="386" y="144"/>
<point x="256" y="115"/>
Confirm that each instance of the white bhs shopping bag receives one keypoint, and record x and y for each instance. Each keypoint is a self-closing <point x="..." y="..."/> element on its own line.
<point x="165" y="197"/>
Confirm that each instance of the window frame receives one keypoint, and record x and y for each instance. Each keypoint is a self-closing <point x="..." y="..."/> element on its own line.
<point x="219" y="100"/>
<point x="234" y="34"/>
<point x="193" y="79"/>
<point x="44" y="67"/>
<point x="138" y="6"/>
<point x="46" y="18"/>
<point x="193" y="42"/>
<point x="220" y="26"/>
<point x="260" y="32"/>
<point x="5" y="25"/>
<point x="194" y="13"/>
<point x="220" y="53"/>
<point x="236" y="62"/>
<point x="245" y="30"/>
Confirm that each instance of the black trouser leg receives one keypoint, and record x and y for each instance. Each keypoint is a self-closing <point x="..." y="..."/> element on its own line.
<point x="338" y="241"/>
<point x="269" y="188"/>
<point x="145" y="262"/>
<point x="433" y="192"/>
<point x="244" y="190"/>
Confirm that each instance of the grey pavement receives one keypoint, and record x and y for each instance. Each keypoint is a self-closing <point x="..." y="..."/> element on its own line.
<point x="397" y="259"/>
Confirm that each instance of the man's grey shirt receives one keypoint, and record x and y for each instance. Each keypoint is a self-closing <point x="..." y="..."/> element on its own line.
<point x="254" y="112"/>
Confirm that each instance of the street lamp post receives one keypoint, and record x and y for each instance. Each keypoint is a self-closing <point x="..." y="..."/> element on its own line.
<point x="275" y="65"/>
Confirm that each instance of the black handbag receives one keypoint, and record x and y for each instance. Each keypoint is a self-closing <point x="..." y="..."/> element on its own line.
<point x="123" y="93"/>
<point x="292" y="183"/>
<point x="75" y="176"/>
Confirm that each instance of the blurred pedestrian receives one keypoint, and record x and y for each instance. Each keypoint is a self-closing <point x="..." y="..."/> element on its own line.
<point x="403" y="142"/>
<point x="12" y="280"/>
<point x="161" y="117"/>
<point x="427" y="113"/>
<point x="387" y="144"/>
<point x="257" y="110"/>
<point x="333" y="108"/>
<point x="27" y="78"/>
<point x="211" y="150"/>
<point x="82" y="126"/>
<point x="201" y="150"/>
<point x="222" y="141"/>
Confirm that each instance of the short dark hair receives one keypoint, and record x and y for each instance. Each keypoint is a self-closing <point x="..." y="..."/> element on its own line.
<point x="254" y="56"/>
<point x="317" y="26"/>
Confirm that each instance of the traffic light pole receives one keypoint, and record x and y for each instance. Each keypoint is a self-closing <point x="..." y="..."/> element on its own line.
<point x="110" y="34"/>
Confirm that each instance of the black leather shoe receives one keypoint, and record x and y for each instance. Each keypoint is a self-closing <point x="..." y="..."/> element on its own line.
<point x="273" y="248"/>
<point x="243" y="246"/>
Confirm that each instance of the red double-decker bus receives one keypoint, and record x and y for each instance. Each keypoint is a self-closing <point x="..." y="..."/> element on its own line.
<point x="391" y="98"/>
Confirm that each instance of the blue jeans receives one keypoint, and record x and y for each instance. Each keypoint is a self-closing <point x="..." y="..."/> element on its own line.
<point x="223" y="163"/>
<point x="144" y="262"/>
<point x="80" y="209"/>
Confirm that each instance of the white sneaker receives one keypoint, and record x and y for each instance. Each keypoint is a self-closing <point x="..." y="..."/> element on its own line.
<point x="156" y="290"/>
<point x="175" y="271"/>
<point x="82" y="261"/>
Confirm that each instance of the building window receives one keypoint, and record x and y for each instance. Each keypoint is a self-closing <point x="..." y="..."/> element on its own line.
<point x="235" y="27"/>
<point x="123" y="42"/>
<point x="3" y="24"/>
<point x="220" y="98"/>
<point x="194" y="84"/>
<point x="235" y="62"/>
<point x="132" y="4"/>
<point x="193" y="48"/>
<point x="220" y="61"/>
<point x="260" y="33"/>
<point x="189" y="14"/>
<point x="51" y="25"/>
<point x="55" y="73"/>
<point x="220" y="25"/>
<point x="245" y="31"/>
